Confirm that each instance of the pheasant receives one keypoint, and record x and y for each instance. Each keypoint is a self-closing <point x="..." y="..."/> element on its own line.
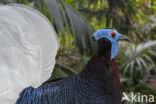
<point x="28" y="62"/>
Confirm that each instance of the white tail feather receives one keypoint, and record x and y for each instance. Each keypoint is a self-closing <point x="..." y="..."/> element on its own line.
<point x="28" y="46"/>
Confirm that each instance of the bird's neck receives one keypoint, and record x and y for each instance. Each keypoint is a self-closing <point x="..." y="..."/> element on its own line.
<point x="102" y="72"/>
<point x="104" y="48"/>
<point x="105" y="53"/>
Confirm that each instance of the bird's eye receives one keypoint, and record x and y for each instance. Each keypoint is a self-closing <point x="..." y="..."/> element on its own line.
<point x="113" y="34"/>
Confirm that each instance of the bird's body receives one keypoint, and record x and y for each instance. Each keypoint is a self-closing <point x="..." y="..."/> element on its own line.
<point x="97" y="83"/>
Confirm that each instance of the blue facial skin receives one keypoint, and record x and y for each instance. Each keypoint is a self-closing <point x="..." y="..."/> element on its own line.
<point x="106" y="33"/>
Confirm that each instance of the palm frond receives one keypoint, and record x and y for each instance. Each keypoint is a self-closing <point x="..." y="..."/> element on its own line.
<point x="66" y="17"/>
<point x="137" y="59"/>
<point x="144" y="46"/>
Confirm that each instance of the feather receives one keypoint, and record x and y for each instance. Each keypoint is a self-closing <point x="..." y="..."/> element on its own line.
<point x="28" y="46"/>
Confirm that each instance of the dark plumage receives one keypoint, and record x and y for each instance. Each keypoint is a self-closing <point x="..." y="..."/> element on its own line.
<point x="97" y="83"/>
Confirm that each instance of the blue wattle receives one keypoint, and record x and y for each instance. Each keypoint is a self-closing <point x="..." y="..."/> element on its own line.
<point x="114" y="49"/>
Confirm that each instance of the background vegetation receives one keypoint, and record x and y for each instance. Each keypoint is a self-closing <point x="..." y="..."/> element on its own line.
<point x="76" y="20"/>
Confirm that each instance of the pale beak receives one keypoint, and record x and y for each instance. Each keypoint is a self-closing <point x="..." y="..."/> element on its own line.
<point x="124" y="37"/>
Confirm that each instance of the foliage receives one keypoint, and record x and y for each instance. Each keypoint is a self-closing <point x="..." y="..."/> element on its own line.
<point x="137" y="62"/>
<point x="70" y="20"/>
<point x="127" y="16"/>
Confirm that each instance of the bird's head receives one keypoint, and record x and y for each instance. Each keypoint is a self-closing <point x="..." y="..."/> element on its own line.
<point x="108" y="39"/>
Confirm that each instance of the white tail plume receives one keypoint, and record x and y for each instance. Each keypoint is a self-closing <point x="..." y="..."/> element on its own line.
<point x="28" y="46"/>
